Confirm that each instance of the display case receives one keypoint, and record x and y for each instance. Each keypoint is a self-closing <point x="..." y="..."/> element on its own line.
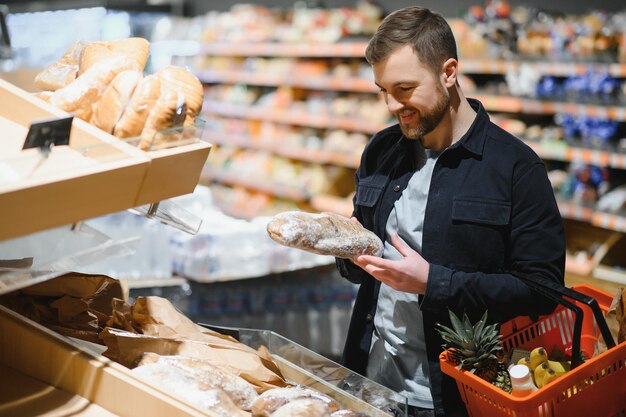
<point x="303" y="366"/>
<point x="95" y="174"/>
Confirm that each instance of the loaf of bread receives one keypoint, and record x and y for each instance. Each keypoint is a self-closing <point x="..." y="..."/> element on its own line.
<point x="63" y="71"/>
<point x="348" y="413"/>
<point x="169" y="111"/>
<point x="208" y="376"/>
<point x="182" y="80"/>
<point x="181" y="384"/>
<point x="273" y="399"/>
<point x="304" y="407"/>
<point x="135" y="50"/>
<point x="134" y="118"/>
<point x="109" y="108"/>
<point x="324" y="234"/>
<point x="80" y="96"/>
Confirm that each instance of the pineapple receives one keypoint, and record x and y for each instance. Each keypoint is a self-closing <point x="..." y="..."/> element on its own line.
<point x="476" y="348"/>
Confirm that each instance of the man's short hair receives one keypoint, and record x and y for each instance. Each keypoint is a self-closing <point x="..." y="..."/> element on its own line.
<point x="427" y="32"/>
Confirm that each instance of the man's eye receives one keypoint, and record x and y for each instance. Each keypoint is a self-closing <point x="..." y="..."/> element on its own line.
<point x="405" y="89"/>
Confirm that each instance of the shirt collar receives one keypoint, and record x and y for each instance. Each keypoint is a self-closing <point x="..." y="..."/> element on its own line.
<point x="474" y="139"/>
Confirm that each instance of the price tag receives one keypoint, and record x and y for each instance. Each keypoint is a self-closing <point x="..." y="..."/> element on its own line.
<point x="45" y="133"/>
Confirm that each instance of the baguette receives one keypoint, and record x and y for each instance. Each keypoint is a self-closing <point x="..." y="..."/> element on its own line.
<point x="324" y="234"/>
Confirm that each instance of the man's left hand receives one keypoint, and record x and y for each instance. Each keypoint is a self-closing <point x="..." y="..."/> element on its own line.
<point x="408" y="274"/>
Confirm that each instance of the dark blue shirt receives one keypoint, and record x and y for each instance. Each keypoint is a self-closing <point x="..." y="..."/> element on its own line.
<point x="491" y="212"/>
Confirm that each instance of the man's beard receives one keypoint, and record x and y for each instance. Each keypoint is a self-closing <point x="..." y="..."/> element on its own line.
<point x="428" y="121"/>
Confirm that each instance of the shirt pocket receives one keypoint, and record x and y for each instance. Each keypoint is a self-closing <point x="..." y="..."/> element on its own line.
<point x="478" y="238"/>
<point x="481" y="211"/>
<point x="368" y="193"/>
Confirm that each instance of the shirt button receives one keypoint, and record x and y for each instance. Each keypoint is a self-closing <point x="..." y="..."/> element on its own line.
<point x="369" y="318"/>
<point x="396" y="188"/>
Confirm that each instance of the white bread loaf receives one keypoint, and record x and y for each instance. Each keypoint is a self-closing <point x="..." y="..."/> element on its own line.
<point x="80" y="96"/>
<point x="169" y="111"/>
<point x="273" y="399"/>
<point x="181" y="79"/>
<point x="303" y="407"/>
<point x="135" y="50"/>
<point x="324" y="233"/>
<point x="240" y="391"/>
<point x="348" y="413"/>
<point x="110" y="107"/>
<point x="63" y="71"/>
<point x="180" y="383"/>
<point x="134" y="118"/>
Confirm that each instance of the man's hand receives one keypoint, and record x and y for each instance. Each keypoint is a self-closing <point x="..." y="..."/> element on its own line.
<point x="408" y="274"/>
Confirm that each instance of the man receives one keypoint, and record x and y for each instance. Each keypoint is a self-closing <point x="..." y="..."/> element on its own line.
<point x="461" y="206"/>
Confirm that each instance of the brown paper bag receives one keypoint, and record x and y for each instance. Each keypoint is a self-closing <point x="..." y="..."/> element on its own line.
<point x="74" y="304"/>
<point x="154" y="325"/>
<point x="616" y="321"/>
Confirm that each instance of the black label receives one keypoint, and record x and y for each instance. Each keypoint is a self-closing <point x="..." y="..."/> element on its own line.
<point x="46" y="133"/>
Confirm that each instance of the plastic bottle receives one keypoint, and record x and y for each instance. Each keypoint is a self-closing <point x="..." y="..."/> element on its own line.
<point x="521" y="381"/>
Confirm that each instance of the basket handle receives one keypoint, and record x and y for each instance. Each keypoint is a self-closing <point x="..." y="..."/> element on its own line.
<point x="556" y="292"/>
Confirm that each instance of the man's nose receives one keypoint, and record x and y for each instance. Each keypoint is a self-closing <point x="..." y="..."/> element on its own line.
<point x="393" y="104"/>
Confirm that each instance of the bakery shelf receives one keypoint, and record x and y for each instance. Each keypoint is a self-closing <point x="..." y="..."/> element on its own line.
<point x="322" y="157"/>
<point x="177" y="156"/>
<point x="95" y="174"/>
<point x="306" y="367"/>
<point x="339" y="50"/>
<point x="290" y="117"/>
<point x="278" y="190"/>
<point x="57" y="363"/>
<point x="291" y="79"/>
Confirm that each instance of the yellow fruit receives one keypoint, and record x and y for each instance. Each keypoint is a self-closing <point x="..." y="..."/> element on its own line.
<point x="539" y="373"/>
<point x="524" y="361"/>
<point x="559" y="368"/>
<point x="548" y="377"/>
<point x="537" y="355"/>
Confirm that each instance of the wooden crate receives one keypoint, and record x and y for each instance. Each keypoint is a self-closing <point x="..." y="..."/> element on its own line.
<point x="107" y="176"/>
<point x="56" y="368"/>
<point x="112" y="175"/>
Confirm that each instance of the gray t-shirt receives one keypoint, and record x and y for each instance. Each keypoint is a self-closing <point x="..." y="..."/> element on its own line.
<point x="398" y="351"/>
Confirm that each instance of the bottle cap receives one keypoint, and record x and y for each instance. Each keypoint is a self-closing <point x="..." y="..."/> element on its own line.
<point x="519" y="373"/>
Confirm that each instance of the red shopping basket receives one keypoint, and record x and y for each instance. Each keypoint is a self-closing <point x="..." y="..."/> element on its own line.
<point x="596" y="388"/>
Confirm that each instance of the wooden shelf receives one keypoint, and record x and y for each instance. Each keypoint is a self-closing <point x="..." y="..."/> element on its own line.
<point x="290" y="117"/>
<point x="320" y="157"/>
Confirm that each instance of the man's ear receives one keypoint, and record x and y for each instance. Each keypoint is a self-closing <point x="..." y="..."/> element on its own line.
<point x="450" y="72"/>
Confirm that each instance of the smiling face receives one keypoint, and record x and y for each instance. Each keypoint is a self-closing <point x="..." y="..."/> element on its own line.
<point x="413" y="94"/>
